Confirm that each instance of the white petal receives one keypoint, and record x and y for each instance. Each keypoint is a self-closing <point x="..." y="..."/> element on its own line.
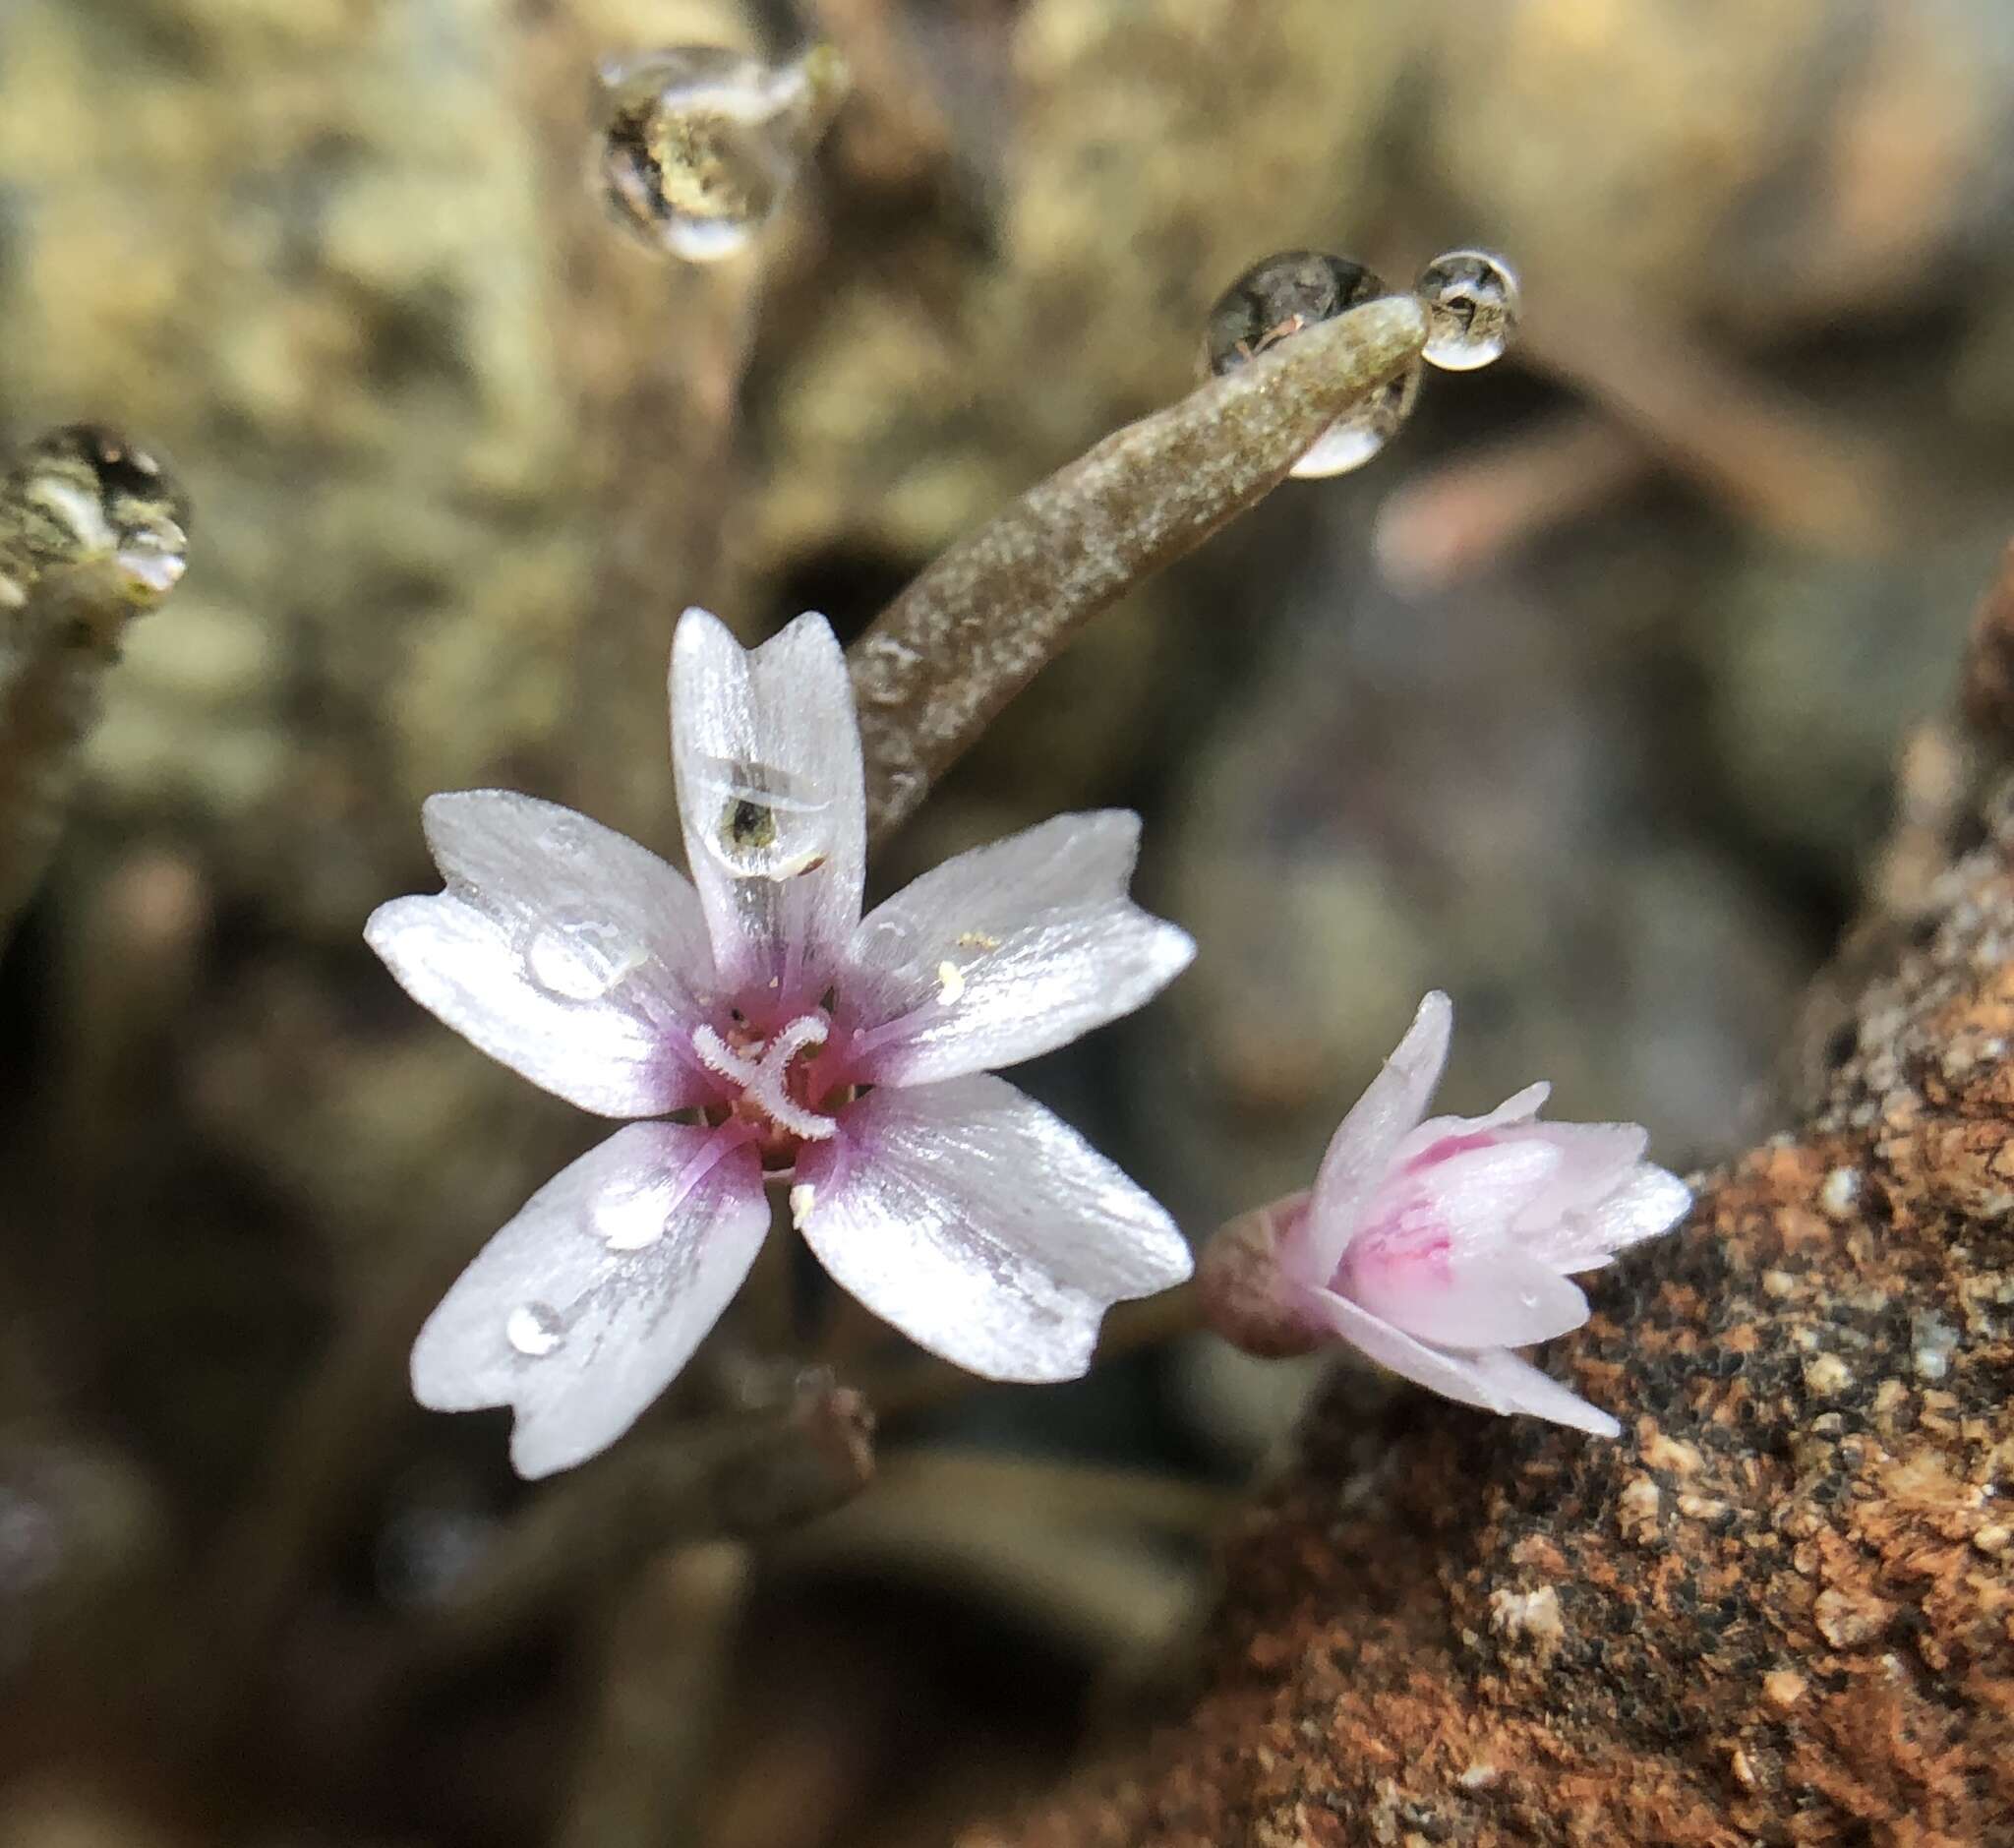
<point x="1473" y="1199"/>
<point x="766" y="749"/>
<point x="1494" y="1380"/>
<point x="1363" y="1147"/>
<point x="1598" y="1158"/>
<point x="1516" y="1111"/>
<point x="1514" y="1114"/>
<point x="560" y="948"/>
<point x="1487" y="1299"/>
<point x="982" y="1227"/>
<point x="1009" y="951"/>
<point x="1524" y="1388"/>
<point x="579" y="1312"/>
<point x="1650" y="1200"/>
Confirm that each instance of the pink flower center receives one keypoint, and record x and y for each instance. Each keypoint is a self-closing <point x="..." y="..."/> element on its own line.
<point x="770" y="1083"/>
<point x="1404" y="1235"/>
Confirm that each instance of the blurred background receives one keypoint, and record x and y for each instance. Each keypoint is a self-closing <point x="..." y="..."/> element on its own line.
<point x="1582" y="701"/>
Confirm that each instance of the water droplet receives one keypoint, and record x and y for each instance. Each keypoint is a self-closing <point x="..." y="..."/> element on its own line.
<point x="575" y="956"/>
<point x="83" y="497"/>
<point x="631" y="1218"/>
<point x="1353" y="440"/>
<point x="1471" y="299"/>
<point x="534" y="1330"/>
<point x="768" y="823"/>
<point x="887" y="943"/>
<point x="1276" y="298"/>
<point x="567" y="836"/>
<point x="698" y="145"/>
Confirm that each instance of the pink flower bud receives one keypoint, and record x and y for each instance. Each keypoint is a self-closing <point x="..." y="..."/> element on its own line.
<point x="1437" y="1246"/>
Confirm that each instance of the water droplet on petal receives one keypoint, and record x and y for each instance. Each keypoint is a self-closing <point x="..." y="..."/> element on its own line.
<point x="534" y="1328"/>
<point x="574" y="956"/>
<point x="767" y="823"/>
<point x="629" y="1218"/>
<point x="1471" y="299"/>
<point x="698" y="145"/>
<point x="887" y="943"/>
<point x="1276" y="298"/>
<point x="566" y="836"/>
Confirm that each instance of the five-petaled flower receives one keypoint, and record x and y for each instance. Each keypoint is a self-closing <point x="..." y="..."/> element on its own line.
<point x="843" y="1057"/>
<point x="1436" y="1247"/>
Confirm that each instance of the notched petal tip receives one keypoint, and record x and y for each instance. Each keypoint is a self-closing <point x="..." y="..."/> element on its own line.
<point x="766" y="758"/>
<point x="542" y="1446"/>
<point x="583" y="1307"/>
<point x="386" y="923"/>
<point x="1010" y="950"/>
<point x="1106" y="837"/>
<point x="1173" y="950"/>
<point x="440" y="1381"/>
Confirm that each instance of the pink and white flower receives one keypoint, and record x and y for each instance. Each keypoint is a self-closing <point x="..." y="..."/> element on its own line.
<point x="846" y="1058"/>
<point x="1437" y="1246"/>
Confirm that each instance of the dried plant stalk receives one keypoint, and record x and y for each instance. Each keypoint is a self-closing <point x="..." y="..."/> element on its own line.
<point x="746" y="1478"/>
<point x="979" y="622"/>
<point x="91" y="534"/>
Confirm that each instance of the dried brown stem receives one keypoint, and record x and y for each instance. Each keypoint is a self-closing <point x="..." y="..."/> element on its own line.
<point x="644" y="1776"/>
<point x="745" y="1477"/>
<point x="980" y="621"/>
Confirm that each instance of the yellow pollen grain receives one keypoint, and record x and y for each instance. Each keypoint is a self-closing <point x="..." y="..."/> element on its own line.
<point x="804" y="1197"/>
<point x="950" y="983"/>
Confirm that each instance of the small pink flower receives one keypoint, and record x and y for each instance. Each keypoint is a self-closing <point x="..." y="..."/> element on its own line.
<point x="1436" y="1247"/>
<point x="845" y="1058"/>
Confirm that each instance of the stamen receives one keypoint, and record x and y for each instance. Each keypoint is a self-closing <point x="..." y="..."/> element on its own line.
<point x="868" y="1040"/>
<point x="770" y="1088"/>
<point x="721" y="1059"/>
<point x="765" y="1080"/>
<point x="808" y="1030"/>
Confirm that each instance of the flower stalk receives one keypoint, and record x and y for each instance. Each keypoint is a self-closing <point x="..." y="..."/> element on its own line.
<point x="978" y="624"/>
